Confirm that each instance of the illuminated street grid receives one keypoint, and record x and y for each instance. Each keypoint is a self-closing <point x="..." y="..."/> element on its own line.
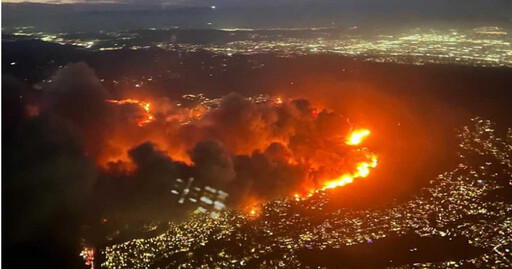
<point x="421" y="47"/>
<point x="483" y="46"/>
<point x="198" y="104"/>
<point x="454" y="205"/>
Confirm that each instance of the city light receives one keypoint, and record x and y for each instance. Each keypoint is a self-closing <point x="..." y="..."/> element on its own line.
<point x="284" y="225"/>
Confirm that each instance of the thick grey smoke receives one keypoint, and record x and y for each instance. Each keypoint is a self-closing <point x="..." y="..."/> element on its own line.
<point x="47" y="182"/>
<point x="76" y="95"/>
<point x="55" y="173"/>
<point x="212" y="163"/>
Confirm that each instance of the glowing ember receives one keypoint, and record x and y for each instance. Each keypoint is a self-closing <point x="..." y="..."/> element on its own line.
<point x="357" y="136"/>
<point x="278" y="101"/>
<point x="253" y="212"/>
<point x="143" y="105"/>
<point x="88" y="257"/>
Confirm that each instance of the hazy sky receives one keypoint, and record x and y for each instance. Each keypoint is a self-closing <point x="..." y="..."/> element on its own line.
<point x="205" y="2"/>
<point x="170" y="2"/>
<point x="308" y="10"/>
<point x="191" y="2"/>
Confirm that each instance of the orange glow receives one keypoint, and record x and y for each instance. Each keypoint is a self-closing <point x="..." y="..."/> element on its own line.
<point x="357" y="136"/>
<point x="253" y="211"/>
<point x="314" y="112"/>
<point x="362" y="168"/>
<point x="31" y="111"/>
<point x="143" y="105"/>
<point x="88" y="257"/>
<point x="336" y="161"/>
<point x="340" y="181"/>
<point x="252" y="206"/>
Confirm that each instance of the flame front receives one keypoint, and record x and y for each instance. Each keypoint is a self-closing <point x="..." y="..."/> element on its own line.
<point x="145" y="106"/>
<point x="357" y="136"/>
<point x="362" y="168"/>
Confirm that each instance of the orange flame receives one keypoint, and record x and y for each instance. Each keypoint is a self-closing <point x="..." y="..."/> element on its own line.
<point x="88" y="257"/>
<point x="144" y="105"/>
<point x="362" y="168"/>
<point x="253" y="211"/>
<point x="278" y="101"/>
<point x="252" y="207"/>
<point x="357" y="136"/>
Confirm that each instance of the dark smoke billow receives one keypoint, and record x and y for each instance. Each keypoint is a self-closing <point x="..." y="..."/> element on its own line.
<point x="212" y="163"/>
<point x="289" y="144"/>
<point x="80" y="158"/>
<point x="47" y="182"/>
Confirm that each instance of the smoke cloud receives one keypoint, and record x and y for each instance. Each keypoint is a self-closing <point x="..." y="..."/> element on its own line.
<point x="47" y="181"/>
<point x="73" y="154"/>
<point x="265" y="149"/>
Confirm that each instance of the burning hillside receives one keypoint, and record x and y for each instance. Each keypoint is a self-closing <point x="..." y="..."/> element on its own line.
<point x="259" y="147"/>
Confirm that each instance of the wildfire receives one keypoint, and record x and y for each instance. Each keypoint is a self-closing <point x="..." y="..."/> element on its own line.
<point x="252" y="206"/>
<point x="357" y="136"/>
<point x="362" y="168"/>
<point x="145" y="106"/>
<point x="88" y="257"/>
<point x="253" y="211"/>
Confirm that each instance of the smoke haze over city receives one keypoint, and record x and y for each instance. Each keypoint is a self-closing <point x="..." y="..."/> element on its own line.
<point x="256" y="134"/>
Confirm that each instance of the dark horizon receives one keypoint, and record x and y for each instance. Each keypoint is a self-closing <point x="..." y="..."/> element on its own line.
<point x="90" y="16"/>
